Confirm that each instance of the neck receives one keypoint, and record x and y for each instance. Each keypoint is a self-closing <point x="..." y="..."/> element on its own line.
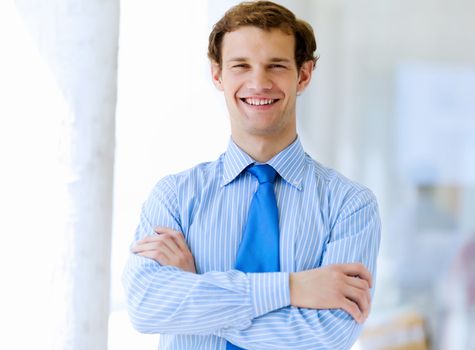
<point x="263" y="148"/>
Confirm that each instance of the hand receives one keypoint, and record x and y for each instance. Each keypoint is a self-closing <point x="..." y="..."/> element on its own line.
<point x="168" y="247"/>
<point x="344" y="286"/>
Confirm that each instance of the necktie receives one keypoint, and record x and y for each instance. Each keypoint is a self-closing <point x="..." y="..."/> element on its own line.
<point x="259" y="248"/>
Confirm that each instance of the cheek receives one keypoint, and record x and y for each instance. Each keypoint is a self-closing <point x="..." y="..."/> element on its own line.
<point x="231" y="94"/>
<point x="233" y="81"/>
<point x="231" y="101"/>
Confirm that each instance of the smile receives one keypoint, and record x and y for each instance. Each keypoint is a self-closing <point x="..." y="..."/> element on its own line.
<point x="259" y="101"/>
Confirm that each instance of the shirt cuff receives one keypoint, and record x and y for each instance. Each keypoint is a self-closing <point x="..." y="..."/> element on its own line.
<point x="269" y="291"/>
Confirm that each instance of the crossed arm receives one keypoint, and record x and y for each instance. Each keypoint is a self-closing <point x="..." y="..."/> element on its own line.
<point x="319" y="308"/>
<point x="337" y="286"/>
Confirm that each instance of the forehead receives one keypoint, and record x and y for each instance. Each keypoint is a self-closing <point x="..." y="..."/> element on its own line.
<point x="255" y="43"/>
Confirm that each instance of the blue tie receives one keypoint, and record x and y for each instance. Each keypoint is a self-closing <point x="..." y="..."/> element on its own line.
<point x="259" y="248"/>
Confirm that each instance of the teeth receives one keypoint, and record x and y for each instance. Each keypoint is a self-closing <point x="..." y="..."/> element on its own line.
<point x="258" y="102"/>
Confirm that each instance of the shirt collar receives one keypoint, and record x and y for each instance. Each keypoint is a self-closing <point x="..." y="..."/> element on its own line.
<point x="289" y="163"/>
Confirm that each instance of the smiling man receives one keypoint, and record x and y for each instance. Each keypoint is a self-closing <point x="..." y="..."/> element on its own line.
<point x="264" y="248"/>
<point x="260" y="79"/>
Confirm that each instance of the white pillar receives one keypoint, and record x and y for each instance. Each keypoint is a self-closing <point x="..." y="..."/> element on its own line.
<point x="79" y="41"/>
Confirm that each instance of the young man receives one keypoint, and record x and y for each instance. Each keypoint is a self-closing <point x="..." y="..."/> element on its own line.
<point x="198" y="274"/>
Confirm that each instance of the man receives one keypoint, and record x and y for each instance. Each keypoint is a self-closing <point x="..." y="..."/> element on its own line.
<point x="198" y="274"/>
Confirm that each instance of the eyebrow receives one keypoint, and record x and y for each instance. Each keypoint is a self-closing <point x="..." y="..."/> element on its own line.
<point x="273" y="60"/>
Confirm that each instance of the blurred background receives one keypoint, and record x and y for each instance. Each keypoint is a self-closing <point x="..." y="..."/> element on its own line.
<point x="99" y="100"/>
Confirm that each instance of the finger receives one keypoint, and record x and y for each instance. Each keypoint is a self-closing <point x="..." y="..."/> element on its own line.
<point x="170" y="241"/>
<point x="160" y="257"/>
<point x="358" y="270"/>
<point x="361" y="284"/>
<point x="359" y="297"/>
<point x="165" y="230"/>
<point x="141" y="247"/>
<point x="156" y="247"/>
<point x="353" y="309"/>
<point x="147" y="239"/>
<point x="177" y="235"/>
<point x="357" y="282"/>
<point x="180" y="241"/>
<point x="164" y="237"/>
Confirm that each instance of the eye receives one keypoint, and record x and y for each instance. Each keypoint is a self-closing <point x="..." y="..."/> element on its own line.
<point x="277" y="66"/>
<point x="240" y="66"/>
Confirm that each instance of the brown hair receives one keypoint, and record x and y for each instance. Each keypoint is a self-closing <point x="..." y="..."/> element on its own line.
<point x="265" y="15"/>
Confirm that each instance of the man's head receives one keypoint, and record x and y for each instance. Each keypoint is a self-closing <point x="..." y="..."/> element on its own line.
<point x="265" y="15"/>
<point x="262" y="57"/>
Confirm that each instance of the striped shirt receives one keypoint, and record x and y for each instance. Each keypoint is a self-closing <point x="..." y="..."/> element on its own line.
<point x="324" y="219"/>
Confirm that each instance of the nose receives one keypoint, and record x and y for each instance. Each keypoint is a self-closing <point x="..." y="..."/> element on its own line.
<point x="259" y="80"/>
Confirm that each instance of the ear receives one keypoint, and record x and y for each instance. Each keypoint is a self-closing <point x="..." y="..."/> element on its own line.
<point x="216" y="75"/>
<point x="305" y="76"/>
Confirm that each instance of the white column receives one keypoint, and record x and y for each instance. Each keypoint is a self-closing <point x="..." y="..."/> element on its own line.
<point x="78" y="40"/>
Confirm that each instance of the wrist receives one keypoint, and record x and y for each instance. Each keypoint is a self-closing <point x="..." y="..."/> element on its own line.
<point x="293" y="287"/>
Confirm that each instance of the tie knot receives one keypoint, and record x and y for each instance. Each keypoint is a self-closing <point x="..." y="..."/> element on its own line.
<point x="263" y="172"/>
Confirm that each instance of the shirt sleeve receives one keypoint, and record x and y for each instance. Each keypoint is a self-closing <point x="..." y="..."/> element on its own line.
<point x="355" y="237"/>
<point x="250" y="310"/>
<point x="165" y="299"/>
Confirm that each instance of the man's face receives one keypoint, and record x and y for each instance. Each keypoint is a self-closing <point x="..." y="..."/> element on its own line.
<point x="260" y="82"/>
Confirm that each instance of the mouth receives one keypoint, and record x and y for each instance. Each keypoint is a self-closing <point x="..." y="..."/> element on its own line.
<point x="259" y="101"/>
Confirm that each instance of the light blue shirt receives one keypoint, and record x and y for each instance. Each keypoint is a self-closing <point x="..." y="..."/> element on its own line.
<point x="324" y="219"/>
